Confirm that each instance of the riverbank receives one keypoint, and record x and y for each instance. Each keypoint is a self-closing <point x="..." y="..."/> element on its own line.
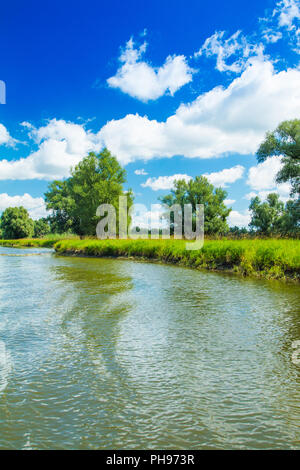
<point x="269" y="259"/>
<point x="46" y="242"/>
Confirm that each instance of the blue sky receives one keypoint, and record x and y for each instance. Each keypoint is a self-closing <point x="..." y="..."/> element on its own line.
<point x="172" y="88"/>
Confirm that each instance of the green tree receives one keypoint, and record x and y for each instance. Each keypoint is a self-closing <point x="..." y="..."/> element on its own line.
<point x="41" y="227"/>
<point x="97" y="179"/>
<point x="284" y="143"/>
<point x="266" y="216"/>
<point x="200" y="191"/>
<point x="16" y="223"/>
<point x="59" y="200"/>
<point x="290" y="222"/>
<point x="238" y="231"/>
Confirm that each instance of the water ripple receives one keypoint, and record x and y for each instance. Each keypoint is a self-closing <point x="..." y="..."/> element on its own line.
<point x="119" y="354"/>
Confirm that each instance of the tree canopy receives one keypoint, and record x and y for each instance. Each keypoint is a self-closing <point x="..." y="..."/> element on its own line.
<point x="41" y="227"/>
<point x="97" y="179"/>
<point x="16" y="223"/>
<point x="273" y="217"/>
<point x="266" y="215"/>
<point x="59" y="200"/>
<point x="284" y="142"/>
<point x="200" y="191"/>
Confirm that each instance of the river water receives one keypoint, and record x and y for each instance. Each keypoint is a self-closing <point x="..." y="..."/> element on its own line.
<point x="118" y="354"/>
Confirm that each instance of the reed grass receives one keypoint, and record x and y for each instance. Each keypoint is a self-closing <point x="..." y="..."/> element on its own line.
<point x="270" y="258"/>
<point x="45" y="242"/>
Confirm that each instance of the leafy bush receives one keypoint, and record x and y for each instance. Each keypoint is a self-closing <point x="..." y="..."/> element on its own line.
<point x="16" y="223"/>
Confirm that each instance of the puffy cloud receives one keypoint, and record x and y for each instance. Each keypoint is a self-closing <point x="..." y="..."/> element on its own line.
<point x="218" y="122"/>
<point x="61" y="145"/>
<point x="262" y="179"/>
<point x="5" y="138"/>
<point x="282" y="191"/>
<point x="236" y="47"/>
<point x="262" y="176"/>
<point x="141" y="172"/>
<point x="239" y="219"/>
<point x="229" y="202"/>
<point x="220" y="178"/>
<point x="222" y="120"/>
<point x="140" y="80"/>
<point x="164" y="182"/>
<point x="135" y="137"/>
<point x="226" y="176"/>
<point x="35" y="205"/>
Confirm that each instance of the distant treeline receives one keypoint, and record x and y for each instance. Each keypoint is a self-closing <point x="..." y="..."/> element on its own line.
<point x="99" y="179"/>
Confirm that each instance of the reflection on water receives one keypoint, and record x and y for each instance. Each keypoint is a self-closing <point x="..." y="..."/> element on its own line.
<point x="112" y="354"/>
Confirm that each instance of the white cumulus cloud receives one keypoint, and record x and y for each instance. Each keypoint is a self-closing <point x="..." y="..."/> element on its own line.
<point x="141" y="80"/>
<point x="61" y="145"/>
<point x="239" y="219"/>
<point x="164" y="182"/>
<point x="262" y="176"/>
<point x="35" y="205"/>
<point x="218" y="122"/>
<point x="224" y="177"/>
<point x="219" y="178"/>
<point x="5" y="138"/>
<point x="222" y="120"/>
<point x="262" y="180"/>
<point x="229" y="202"/>
<point x="141" y="172"/>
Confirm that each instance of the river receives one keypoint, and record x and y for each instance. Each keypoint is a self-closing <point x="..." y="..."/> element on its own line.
<point x="119" y="354"/>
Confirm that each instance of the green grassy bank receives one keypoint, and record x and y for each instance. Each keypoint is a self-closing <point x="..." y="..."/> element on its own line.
<point x="29" y="242"/>
<point x="45" y="242"/>
<point x="272" y="259"/>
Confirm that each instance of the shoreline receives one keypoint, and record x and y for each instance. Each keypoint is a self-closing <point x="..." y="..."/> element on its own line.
<point x="217" y="270"/>
<point x="270" y="259"/>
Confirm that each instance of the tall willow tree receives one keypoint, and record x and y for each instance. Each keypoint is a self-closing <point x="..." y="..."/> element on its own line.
<point x="97" y="179"/>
